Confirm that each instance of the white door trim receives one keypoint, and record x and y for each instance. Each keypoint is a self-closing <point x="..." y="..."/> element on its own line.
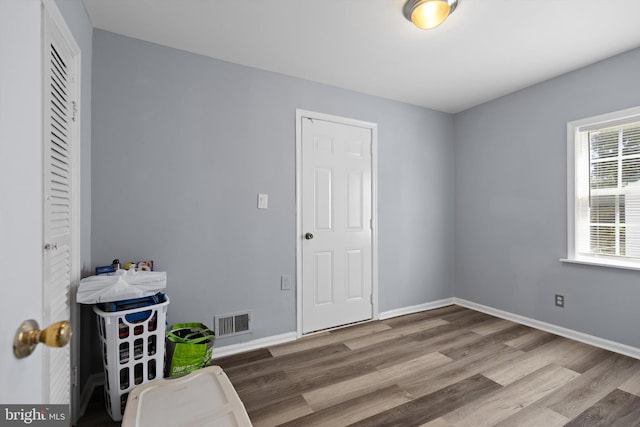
<point x="374" y="205"/>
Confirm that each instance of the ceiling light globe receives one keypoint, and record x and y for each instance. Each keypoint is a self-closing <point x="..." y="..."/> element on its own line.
<point x="430" y="14"/>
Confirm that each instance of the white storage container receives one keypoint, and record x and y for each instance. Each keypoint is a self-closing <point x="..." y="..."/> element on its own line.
<point x="202" y="398"/>
<point x="133" y="351"/>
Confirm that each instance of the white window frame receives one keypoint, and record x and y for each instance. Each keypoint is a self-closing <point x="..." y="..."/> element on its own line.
<point x="575" y="131"/>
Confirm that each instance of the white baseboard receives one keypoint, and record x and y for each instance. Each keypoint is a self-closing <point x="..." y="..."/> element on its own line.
<point x="416" y="308"/>
<point x="228" y="350"/>
<point x="94" y="381"/>
<point x="554" y="329"/>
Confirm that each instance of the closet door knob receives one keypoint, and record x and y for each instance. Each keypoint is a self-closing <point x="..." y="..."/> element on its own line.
<point x="308" y="236"/>
<point x="29" y="335"/>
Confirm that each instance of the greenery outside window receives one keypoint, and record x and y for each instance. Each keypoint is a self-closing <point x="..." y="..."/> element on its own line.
<point x="604" y="189"/>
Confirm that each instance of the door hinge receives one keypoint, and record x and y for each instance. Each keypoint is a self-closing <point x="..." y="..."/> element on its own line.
<point x="371" y="223"/>
<point x="50" y="246"/>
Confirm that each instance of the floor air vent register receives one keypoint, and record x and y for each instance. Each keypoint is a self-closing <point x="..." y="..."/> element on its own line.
<point x="232" y="324"/>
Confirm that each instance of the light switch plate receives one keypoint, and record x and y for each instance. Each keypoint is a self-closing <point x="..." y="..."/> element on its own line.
<point x="263" y="201"/>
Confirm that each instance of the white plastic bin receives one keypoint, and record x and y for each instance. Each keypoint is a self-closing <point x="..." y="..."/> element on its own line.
<point x="204" y="397"/>
<point x="132" y="351"/>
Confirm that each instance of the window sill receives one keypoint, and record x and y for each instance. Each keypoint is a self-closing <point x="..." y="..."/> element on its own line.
<point x="602" y="263"/>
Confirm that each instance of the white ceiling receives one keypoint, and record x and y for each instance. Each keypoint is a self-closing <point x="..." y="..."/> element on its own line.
<point x="486" y="49"/>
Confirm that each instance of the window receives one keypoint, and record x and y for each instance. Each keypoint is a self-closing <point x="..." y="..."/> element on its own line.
<point x="604" y="189"/>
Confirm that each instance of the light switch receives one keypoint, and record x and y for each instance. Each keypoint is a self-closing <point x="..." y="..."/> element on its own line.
<point x="263" y="201"/>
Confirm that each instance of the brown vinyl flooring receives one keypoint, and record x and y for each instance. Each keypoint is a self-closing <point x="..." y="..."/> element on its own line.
<point x="445" y="367"/>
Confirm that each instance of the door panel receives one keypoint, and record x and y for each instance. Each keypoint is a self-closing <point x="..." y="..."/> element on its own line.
<point x="21" y="192"/>
<point x="323" y="198"/>
<point x="355" y="284"/>
<point x="323" y="278"/>
<point x="37" y="125"/>
<point x="336" y="184"/>
<point x="355" y="209"/>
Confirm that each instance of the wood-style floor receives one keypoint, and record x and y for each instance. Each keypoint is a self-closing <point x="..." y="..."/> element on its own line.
<point x="446" y="367"/>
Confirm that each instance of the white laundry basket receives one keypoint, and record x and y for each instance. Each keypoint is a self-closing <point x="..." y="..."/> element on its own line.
<point x="204" y="397"/>
<point x="132" y="350"/>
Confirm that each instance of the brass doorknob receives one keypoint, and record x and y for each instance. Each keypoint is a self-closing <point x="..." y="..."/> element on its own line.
<point x="29" y="335"/>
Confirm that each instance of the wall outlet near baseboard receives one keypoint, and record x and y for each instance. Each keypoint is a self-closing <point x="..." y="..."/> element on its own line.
<point x="285" y="282"/>
<point x="559" y="300"/>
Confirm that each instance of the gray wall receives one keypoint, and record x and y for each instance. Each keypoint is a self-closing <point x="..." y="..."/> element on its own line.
<point x="511" y="207"/>
<point x="182" y="145"/>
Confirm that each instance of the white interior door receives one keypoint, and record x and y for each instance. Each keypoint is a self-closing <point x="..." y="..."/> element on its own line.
<point x="336" y="227"/>
<point x="21" y="194"/>
<point x="37" y="124"/>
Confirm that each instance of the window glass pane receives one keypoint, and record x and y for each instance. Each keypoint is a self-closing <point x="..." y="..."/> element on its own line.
<point x="631" y="140"/>
<point x="630" y="171"/>
<point x="603" y="209"/>
<point x="604" y="175"/>
<point x="603" y="240"/>
<point x="604" y="144"/>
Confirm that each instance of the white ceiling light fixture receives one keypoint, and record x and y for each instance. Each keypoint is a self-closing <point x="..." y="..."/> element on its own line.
<point x="428" y="14"/>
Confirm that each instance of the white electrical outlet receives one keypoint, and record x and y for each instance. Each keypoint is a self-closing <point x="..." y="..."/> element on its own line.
<point x="285" y="282"/>
<point x="263" y="201"/>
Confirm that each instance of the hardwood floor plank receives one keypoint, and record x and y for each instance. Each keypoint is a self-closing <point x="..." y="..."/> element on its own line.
<point x="467" y="318"/>
<point x="556" y="351"/>
<point x="534" y="416"/>
<point x="344" y="390"/>
<point x="429" y="314"/>
<point x="587" y="358"/>
<point x="243" y="358"/>
<point x="492" y="326"/>
<point x="591" y="386"/>
<point x="328" y="338"/>
<point x="302" y="358"/>
<point x="533" y="339"/>
<point x="438" y="422"/>
<point x="353" y="410"/>
<point x="312" y="378"/>
<point x="632" y="385"/>
<point x="400" y="350"/>
<point x="277" y="389"/>
<point x="507" y="401"/>
<point x="432" y="406"/>
<point x="393" y="333"/>
<point x="480" y="342"/>
<point x="280" y="412"/>
<point x="459" y="370"/>
<point x="617" y="409"/>
<point x="449" y="341"/>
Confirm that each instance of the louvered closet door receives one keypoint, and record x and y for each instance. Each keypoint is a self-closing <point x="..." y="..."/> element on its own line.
<point x="59" y="135"/>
